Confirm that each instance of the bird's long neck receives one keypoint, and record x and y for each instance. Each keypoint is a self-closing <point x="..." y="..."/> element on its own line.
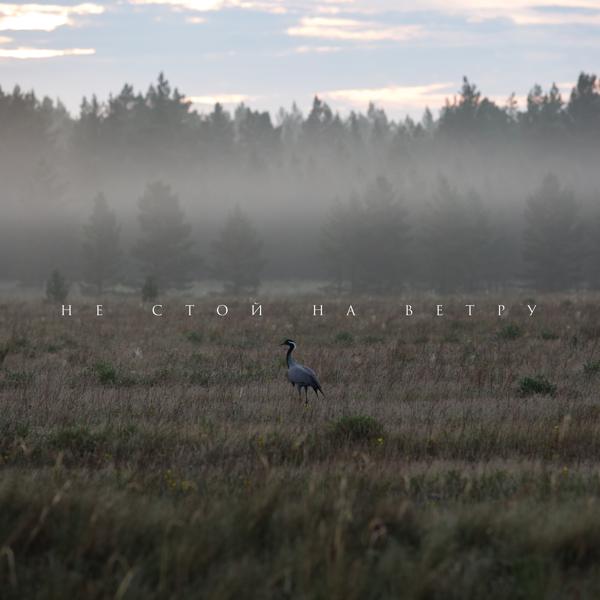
<point x="288" y="358"/>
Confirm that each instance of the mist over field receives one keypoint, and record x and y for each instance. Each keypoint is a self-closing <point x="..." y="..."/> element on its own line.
<point x="477" y="197"/>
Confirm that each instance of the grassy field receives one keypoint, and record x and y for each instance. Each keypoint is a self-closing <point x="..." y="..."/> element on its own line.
<point x="168" y="457"/>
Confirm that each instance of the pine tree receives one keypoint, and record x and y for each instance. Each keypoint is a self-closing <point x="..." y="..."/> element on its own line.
<point x="365" y="242"/>
<point x="340" y="248"/>
<point x="57" y="288"/>
<point x="584" y="105"/>
<point x="238" y="254"/>
<point x="458" y="240"/>
<point x="164" y="249"/>
<point x="101" y="248"/>
<point x="149" y="289"/>
<point x="553" y="244"/>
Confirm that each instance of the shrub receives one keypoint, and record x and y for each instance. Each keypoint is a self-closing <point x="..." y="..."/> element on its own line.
<point x="549" y="335"/>
<point x="530" y="386"/>
<point x="510" y="332"/>
<point x="77" y="440"/>
<point x="106" y="373"/>
<point x="373" y="339"/>
<point x="195" y="337"/>
<point x="356" y="428"/>
<point x="344" y="337"/>
<point x="451" y="338"/>
<point x="200" y="376"/>
<point x="592" y="367"/>
<point x="16" y="379"/>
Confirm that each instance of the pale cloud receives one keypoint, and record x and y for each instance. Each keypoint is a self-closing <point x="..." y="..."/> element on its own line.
<point x="212" y="99"/>
<point x="270" y="6"/>
<point x="394" y="96"/>
<point x="352" y="29"/>
<point x="312" y="24"/>
<point x="316" y="49"/>
<point x="328" y="10"/>
<point x="43" y="17"/>
<point x="534" y="12"/>
<point x="528" y="17"/>
<point x="273" y="7"/>
<point x="36" y="53"/>
<point x="413" y="98"/>
<point x="195" y="20"/>
<point x="520" y="12"/>
<point x="193" y="5"/>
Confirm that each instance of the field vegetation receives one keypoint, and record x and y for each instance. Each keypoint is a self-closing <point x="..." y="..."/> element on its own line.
<point x="452" y="457"/>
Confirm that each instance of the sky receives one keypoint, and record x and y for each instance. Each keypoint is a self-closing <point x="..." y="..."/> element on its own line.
<point x="403" y="56"/>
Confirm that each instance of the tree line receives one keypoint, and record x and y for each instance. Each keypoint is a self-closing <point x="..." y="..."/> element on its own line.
<point x="132" y="130"/>
<point x="368" y="243"/>
<point x="164" y="252"/>
<point x="455" y="201"/>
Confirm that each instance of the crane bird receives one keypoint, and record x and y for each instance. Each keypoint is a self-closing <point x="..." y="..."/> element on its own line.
<point x="299" y="375"/>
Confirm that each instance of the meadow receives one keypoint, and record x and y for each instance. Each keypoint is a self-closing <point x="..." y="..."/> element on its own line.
<point x="168" y="457"/>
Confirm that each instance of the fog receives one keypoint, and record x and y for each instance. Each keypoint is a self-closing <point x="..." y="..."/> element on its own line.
<point x="479" y="196"/>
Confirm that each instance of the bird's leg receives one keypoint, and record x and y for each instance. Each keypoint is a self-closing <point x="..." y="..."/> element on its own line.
<point x="305" y="394"/>
<point x="316" y="393"/>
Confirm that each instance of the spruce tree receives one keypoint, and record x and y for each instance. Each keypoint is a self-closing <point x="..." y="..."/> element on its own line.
<point x="365" y="241"/>
<point x="553" y="245"/>
<point x="57" y="288"/>
<point x="458" y="240"/>
<point x="165" y="248"/>
<point x="101" y="247"/>
<point x="238" y="254"/>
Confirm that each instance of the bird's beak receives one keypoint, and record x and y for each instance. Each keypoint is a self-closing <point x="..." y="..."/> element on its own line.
<point x="283" y="344"/>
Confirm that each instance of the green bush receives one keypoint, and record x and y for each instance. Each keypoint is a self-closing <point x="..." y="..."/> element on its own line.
<point x="344" y="337"/>
<point x="16" y="379"/>
<point x="510" y="332"/>
<point x="530" y="386"/>
<point x="592" y="367"/>
<point x="106" y="373"/>
<point x="77" y="440"/>
<point x="549" y="335"/>
<point x="196" y="337"/>
<point x="356" y="428"/>
<point x="373" y="339"/>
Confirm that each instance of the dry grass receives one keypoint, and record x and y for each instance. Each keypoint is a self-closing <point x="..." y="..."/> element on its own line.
<point x="169" y="458"/>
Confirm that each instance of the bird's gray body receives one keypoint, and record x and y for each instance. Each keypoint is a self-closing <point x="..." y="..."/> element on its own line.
<point x="300" y="376"/>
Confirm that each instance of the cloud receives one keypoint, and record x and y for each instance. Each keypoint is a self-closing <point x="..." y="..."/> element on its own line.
<point x="316" y="49"/>
<point x="270" y="6"/>
<point x="352" y="29"/>
<point x="536" y="12"/>
<point x="394" y="96"/>
<point x="193" y="5"/>
<point x="36" y="53"/>
<point x="212" y="99"/>
<point x="520" y="12"/>
<point x="414" y="98"/>
<point x="43" y="17"/>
